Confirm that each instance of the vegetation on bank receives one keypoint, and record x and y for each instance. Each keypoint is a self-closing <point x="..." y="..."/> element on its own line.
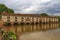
<point x="7" y="35"/>
<point x="44" y="14"/>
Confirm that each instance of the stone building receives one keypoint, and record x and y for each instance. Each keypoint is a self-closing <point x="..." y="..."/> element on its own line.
<point x="28" y="18"/>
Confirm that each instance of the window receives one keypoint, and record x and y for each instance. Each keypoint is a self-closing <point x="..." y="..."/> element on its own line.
<point x="28" y="19"/>
<point x="15" y="20"/>
<point x="15" y="17"/>
<point x="22" y="19"/>
<point x="8" y="20"/>
<point x="8" y="17"/>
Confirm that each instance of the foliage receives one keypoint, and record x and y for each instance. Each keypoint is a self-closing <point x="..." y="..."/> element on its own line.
<point x="1" y="30"/>
<point x="44" y="14"/>
<point x="7" y="24"/>
<point x="0" y="15"/>
<point x="5" y="8"/>
<point x="9" y="36"/>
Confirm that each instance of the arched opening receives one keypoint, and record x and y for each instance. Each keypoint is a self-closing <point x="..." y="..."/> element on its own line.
<point x="32" y="23"/>
<point x="27" y="23"/>
<point x="36" y="22"/>
<point x="40" y="22"/>
<point x="43" y="22"/>
<point x="46" y="22"/>
<point x="22" y="23"/>
<point x="15" y="24"/>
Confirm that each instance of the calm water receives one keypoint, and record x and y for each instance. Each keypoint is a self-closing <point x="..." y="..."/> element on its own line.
<point x="34" y="32"/>
<point x="42" y="35"/>
<point x="31" y="28"/>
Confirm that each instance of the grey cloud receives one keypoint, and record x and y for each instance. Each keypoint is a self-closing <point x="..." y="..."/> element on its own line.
<point x="21" y="6"/>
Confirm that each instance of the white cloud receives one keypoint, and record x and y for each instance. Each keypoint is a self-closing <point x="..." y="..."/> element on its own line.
<point x="33" y="6"/>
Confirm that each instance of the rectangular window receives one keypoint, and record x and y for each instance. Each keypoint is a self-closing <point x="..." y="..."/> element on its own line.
<point x="15" y="17"/>
<point x="15" y="20"/>
<point x="8" y="17"/>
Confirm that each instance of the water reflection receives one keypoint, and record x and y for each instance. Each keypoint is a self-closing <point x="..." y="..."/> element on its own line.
<point x="42" y="35"/>
<point x="31" y="28"/>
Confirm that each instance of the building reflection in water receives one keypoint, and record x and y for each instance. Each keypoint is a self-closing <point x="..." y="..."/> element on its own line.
<point x="31" y="28"/>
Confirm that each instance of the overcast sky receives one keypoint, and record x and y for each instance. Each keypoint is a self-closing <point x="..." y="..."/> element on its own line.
<point x="34" y="6"/>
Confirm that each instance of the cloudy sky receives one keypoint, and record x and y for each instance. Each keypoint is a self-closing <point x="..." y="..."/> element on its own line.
<point x="34" y="6"/>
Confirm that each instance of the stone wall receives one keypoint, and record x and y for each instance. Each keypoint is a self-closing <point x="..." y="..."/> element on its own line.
<point x="28" y="19"/>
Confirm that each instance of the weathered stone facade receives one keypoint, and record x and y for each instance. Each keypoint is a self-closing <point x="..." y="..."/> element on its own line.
<point x="28" y="18"/>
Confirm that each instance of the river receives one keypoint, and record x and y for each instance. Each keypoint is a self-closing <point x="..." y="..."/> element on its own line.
<point x="42" y="35"/>
<point x="37" y="31"/>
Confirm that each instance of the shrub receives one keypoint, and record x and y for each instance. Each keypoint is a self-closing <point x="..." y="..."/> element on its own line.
<point x="10" y="36"/>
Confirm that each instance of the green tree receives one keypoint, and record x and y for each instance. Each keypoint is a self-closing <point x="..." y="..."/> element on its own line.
<point x="10" y="36"/>
<point x="44" y="14"/>
<point x="5" y="8"/>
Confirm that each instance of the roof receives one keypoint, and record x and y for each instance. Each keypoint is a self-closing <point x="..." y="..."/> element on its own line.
<point x="34" y="15"/>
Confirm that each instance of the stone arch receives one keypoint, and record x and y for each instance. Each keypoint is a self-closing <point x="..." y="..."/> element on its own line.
<point x="15" y="23"/>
